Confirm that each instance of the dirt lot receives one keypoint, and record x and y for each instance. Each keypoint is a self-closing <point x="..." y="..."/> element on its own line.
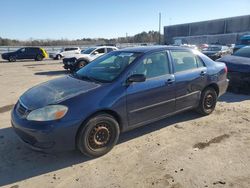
<point x="186" y="150"/>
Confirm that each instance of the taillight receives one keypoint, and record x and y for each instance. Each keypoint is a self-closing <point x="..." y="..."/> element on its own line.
<point x="225" y="69"/>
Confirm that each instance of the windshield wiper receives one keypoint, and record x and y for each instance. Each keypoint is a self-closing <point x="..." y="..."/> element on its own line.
<point x="87" y="77"/>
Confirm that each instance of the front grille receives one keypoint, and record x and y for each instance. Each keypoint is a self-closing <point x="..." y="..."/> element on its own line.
<point x="21" y="109"/>
<point x="69" y="60"/>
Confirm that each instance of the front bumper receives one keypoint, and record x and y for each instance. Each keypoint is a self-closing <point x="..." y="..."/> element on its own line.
<point x="5" y="57"/>
<point x="69" y="63"/>
<point x="51" y="136"/>
<point x="52" y="56"/>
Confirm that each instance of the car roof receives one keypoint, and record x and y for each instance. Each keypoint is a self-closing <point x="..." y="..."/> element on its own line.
<point x="146" y="49"/>
<point x="30" y="47"/>
<point x="214" y="45"/>
<point x="103" y="47"/>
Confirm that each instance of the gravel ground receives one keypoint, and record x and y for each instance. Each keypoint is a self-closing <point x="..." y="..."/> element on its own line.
<point x="186" y="150"/>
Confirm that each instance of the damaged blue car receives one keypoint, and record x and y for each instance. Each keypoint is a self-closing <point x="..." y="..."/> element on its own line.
<point x="115" y="93"/>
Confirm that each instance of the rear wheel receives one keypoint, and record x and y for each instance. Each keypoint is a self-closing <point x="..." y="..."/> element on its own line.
<point x="208" y="101"/>
<point x="39" y="58"/>
<point x="98" y="136"/>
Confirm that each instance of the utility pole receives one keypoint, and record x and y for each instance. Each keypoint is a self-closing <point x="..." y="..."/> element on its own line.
<point x="159" y="28"/>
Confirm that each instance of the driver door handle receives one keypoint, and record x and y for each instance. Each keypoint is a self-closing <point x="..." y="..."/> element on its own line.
<point x="203" y="73"/>
<point x="170" y="81"/>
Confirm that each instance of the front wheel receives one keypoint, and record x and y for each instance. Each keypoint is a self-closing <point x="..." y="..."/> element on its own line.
<point x="58" y="57"/>
<point x="81" y="64"/>
<point x="208" y="101"/>
<point x="98" y="136"/>
<point x="12" y="59"/>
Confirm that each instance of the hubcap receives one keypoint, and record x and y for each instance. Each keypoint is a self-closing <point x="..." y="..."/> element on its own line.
<point x="99" y="136"/>
<point x="209" y="101"/>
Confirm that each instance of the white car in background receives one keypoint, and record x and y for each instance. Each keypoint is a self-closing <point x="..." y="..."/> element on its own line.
<point x="77" y="61"/>
<point x="66" y="52"/>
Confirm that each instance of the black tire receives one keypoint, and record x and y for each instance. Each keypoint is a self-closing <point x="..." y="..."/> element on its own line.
<point x="81" y="64"/>
<point x="58" y="57"/>
<point x="208" y="101"/>
<point x="98" y="136"/>
<point x="39" y="58"/>
<point x="12" y="59"/>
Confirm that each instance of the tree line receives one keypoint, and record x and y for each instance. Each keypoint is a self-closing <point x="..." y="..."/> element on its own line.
<point x="143" y="37"/>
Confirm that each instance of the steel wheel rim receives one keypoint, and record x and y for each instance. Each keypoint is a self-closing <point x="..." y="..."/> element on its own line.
<point x="209" y="101"/>
<point x="100" y="136"/>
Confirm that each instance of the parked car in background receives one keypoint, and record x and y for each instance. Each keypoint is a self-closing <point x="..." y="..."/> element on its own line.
<point x="238" y="65"/>
<point x="244" y="41"/>
<point x="35" y="53"/>
<point x="202" y="46"/>
<point x="65" y="53"/>
<point x="216" y="51"/>
<point x="78" y="61"/>
<point x="117" y="92"/>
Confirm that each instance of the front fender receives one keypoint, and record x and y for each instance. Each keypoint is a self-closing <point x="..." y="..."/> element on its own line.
<point x="83" y="59"/>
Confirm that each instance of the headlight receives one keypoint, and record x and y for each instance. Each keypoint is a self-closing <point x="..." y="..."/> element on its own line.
<point x="48" y="113"/>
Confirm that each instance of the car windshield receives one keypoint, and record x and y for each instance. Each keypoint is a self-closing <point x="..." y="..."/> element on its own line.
<point x="212" y="49"/>
<point x="88" y="50"/>
<point x="243" y="52"/>
<point x="108" y="67"/>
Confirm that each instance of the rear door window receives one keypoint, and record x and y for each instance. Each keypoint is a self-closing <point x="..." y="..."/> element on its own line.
<point x="67" y="49"/>
<point x="33" y="50"/>
<point x="185" y="60"/>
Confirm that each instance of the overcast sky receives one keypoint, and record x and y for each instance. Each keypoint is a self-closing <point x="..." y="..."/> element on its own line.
<point x="75" y="19"/>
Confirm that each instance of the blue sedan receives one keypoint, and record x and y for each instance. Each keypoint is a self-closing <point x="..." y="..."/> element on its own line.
<point x="117" y="92"/>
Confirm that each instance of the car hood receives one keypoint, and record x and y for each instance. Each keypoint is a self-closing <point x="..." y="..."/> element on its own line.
<point x="8" y="53"/>
<point x="55" y="91"/>
<point x="236" y="63"/>
<point x="77" y="56"/>
<point x="55" y="52"/>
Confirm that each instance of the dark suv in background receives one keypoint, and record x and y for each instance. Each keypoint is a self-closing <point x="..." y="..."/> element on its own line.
<point x="35" y="53"/>
<point x="216" y="51"/>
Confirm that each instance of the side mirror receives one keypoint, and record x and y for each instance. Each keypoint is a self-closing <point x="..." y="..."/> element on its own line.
<point x="136" y="78"/>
